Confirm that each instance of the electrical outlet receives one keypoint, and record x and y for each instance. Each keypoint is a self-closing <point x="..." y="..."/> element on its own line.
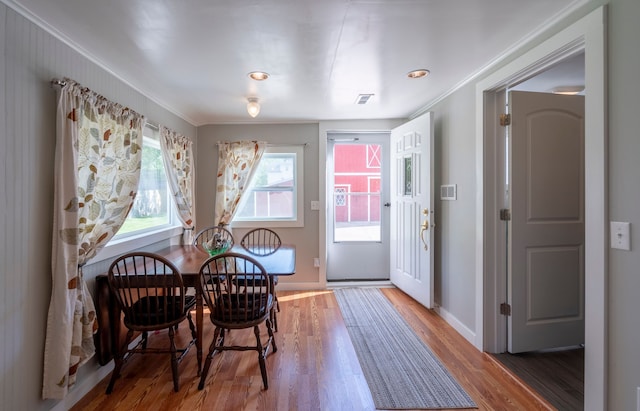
<point x="316" y="262"/>
<point x="315" y="205"/>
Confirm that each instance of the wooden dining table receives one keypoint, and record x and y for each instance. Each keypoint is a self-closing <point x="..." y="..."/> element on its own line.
<point x="187" y="259"/>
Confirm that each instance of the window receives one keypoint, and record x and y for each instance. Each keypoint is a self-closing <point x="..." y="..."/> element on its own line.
<point x="274" y="197"/>
<point x="152" y="208"/>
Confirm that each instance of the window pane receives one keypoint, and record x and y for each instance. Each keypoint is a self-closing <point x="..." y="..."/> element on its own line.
<point x="151" y="207"/>
<point x="356" y="202"/>
<point x="272" y="191"/>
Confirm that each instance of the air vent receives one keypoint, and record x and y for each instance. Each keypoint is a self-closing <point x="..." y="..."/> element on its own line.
<point x="449" y="192"/>
<point x="363" y="98"/>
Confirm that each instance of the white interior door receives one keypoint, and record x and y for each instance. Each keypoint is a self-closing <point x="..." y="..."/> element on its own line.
<point x="412" y="213"/>
<point x="546" y="270"/>
<point x="358" y="176"/>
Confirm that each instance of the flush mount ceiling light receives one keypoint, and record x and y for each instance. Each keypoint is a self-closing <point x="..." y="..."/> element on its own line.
<point x="568" y="90"/>
<point x="253" y="107"/>
<point x="258" y="75"/>
<point x="418" y="73"/>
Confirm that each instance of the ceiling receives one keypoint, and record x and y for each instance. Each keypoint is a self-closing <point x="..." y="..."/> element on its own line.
<point x="193" y="57"/>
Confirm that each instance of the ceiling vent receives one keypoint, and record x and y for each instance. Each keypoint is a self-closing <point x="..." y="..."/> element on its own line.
<point x="363" y="98"/>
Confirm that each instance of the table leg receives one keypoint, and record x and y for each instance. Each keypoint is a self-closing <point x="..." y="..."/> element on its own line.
<point x="199" y="326"/>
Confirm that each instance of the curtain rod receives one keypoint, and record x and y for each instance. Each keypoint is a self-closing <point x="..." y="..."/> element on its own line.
<point x="270" y="144"/>
<point x="58" y="82"/>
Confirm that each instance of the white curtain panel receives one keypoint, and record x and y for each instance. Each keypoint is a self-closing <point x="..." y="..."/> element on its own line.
<point x="236" y="165"/>
<point x="177" y="154"/>
<point x="97" y="169"/>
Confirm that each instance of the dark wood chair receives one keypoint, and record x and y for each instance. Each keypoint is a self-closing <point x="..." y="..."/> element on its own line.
<point x="238" y="307"/>
<point x="261" y="241"/>
<point x="211" y="235"/>
<point x="264" y="241"/>
<point x="150" y="292"/>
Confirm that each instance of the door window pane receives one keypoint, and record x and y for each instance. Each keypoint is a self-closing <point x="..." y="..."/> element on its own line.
<point x="356" y="202"/>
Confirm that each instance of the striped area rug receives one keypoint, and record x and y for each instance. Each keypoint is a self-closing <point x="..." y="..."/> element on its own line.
<point x="400" y="369"/>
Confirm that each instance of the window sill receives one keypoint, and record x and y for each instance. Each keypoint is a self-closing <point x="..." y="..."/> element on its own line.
<point x="267" y="223"/>
<point x="119" y="247"/>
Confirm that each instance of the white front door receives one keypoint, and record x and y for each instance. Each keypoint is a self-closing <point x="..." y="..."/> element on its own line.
<point x="546" y="270"/>
<point x="412" y="214"/>
<point x="358" y="176"/>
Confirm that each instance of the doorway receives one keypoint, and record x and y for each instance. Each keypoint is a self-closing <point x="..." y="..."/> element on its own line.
<point x="585" y="35"/>
<point x="358" y="206"/>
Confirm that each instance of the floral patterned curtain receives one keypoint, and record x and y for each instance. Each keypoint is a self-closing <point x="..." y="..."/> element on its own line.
<point x="177" y="153"/>
<point x="236" y="163"/>
<point x="97" y="169"/>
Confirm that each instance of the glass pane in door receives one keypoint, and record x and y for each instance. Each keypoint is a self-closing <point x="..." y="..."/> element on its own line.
<point x="356" y="195"/>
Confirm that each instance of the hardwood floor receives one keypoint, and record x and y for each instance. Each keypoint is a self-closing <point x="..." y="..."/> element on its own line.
<point x="315" y="367"/>
<point x="558" y="375"/>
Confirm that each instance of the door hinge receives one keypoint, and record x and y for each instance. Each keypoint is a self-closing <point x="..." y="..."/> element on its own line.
<point x="505" y="120"/>
<point x="505" y="214"/>
<point x="505" y="309"/>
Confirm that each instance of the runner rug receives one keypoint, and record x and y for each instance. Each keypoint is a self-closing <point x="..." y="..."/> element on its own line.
<point x="400" y="369"/>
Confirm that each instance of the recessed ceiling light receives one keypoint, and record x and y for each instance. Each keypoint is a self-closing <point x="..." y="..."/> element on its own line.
<point x="418" y="73"/>
<point x="258" y="75"/>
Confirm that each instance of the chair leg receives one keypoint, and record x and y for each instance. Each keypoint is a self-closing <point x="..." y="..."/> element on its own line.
<point x="273" y="340"/>
<point x="115" y="373"/>
<point x="192" y="326"/>
<point x="261" y="360"/>
<point x="174" y="360"/>
<point x="118" y="360"/>
<point x="274" y="318"/>
<point x="218" y="333"/>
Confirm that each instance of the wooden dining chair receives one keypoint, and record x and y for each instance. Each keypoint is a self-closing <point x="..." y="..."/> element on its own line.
<point x="238" y="307"/>
<point x="261" y="241"/>
<point x="150" y="292"/>
<point x="264" y="241"/>
<point x="212" y="234"/>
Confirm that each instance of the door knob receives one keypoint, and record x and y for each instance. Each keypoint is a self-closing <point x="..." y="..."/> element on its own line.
<point x="387" y="204"/>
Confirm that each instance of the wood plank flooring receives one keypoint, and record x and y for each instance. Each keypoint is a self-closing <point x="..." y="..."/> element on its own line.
<point x="557" y="375"/>
<point x="315" y="367"/>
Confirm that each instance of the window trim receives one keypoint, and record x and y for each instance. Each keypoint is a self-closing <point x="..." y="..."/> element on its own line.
<point x="298" y="150"/>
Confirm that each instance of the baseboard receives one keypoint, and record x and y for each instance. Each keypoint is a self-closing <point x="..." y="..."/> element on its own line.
<point x="84" y="384"/>
<point x="349" y="284"/>
<point x="453" y="321"/>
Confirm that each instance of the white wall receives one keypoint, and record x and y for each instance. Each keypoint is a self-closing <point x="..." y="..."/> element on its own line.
<point x="624" y="202"/>
<point x="29" y="59"/>
<point x="455" y="229"/>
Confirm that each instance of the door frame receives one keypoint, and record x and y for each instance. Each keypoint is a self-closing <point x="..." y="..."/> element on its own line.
<point x="383" y="138"/>
<point x="324" y="128"/>
<point x="586" y="34"/>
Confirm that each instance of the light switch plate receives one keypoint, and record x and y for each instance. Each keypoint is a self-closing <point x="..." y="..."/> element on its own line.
<point x="621" y="235"/>
<point x="315" y="205"/>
